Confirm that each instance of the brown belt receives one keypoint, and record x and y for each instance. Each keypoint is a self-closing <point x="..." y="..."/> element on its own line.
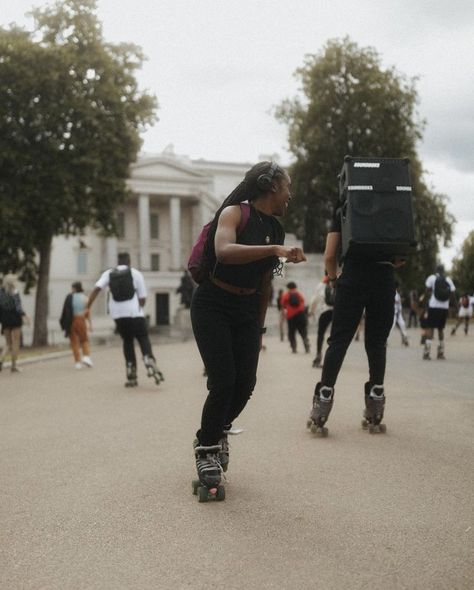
<point x="233" y="288"/>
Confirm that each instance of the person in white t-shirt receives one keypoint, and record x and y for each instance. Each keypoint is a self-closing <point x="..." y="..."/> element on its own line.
<point x="440" y="291"/>
<point x="465" y="305"/>
<point x="398" y="319"/>
<point x="127" y="297"/>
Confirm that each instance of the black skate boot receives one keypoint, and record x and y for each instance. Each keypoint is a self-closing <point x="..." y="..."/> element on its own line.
<point x="131" y="376"/>
<point x="374" y="408"/>
<point x="317" y="361"/>
<point x="440" y="354"/>
<point x="322" y="404"/>
<point x="152" y="370"/>
<point x="209" y="470"/>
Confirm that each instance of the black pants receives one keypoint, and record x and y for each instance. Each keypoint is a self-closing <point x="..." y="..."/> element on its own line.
<point x="228" y="337"/>
<point x="130" y="329"/>
<point x="324" y="320"/>
<point x="361" y="286"/>
<point x="298" y="323"/>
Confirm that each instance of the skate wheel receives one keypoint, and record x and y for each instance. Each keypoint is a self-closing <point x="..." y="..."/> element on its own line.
<point x="324" y="432"/>
<point x="220" y="494"/>
<point x="364" y="424"/>
<point x="195" y="485"/>
<point x="383" y="428"/>
<point x="308" y="423"/>
<point x="313" y="428"/>
<point x="203" y="494"/>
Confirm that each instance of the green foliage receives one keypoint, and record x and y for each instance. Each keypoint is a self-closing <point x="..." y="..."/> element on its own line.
<point x="351" y="105"/>
<point x="463" y="267"/>
<point x="70" y="117"/>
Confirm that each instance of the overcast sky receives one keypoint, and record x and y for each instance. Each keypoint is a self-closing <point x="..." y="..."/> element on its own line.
<point x="219" y="67"/>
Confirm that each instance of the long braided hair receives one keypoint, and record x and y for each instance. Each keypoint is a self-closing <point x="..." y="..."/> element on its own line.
<point x="256" y="182"/>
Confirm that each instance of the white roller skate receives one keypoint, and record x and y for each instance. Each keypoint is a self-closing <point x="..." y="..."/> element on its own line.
<point x="152" y="370"/>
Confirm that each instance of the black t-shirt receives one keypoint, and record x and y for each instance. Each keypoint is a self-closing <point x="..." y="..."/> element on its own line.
<point x="260" y="230"/>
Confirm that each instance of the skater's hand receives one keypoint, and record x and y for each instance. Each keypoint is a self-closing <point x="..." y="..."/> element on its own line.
<point x="294" y="254"/>
<point x="399" y="262"/>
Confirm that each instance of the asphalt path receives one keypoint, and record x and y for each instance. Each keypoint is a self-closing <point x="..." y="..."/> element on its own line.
<point x="95" y="479"/>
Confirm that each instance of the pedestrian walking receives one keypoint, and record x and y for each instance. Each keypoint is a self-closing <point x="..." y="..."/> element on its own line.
<point x="281" y="316"/>
<point x="75" y="320"/>
<point x="127" y="298"/>
<point x="363" y="284"/>
<point x="414" y="311"/>
<point x="323" y="303"/>
<point x="12" y="317"/>
<point x="398" y="319"/>
<point x="465" y="304"/>
<point x="229" y="306"/>
<point x="440" y="291"/>
<point x="293" y="303"/>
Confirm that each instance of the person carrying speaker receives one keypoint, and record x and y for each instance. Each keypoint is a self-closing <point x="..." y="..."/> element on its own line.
<point x="229" y="306"/>
<point x="363" y="284"/>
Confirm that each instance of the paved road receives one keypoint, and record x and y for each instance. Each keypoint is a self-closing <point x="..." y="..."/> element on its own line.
<point x="95" y="478"/>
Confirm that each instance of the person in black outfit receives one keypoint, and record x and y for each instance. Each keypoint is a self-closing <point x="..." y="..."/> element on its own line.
<point x="362" y="285"/>
<point x="228" y="308"/>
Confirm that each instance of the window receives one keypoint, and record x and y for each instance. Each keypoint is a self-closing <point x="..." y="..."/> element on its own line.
<point x="82" y="262"/>
<point x="154" y="226"/>
<point x="155" y="262"/>
<point x="121" y="224"/>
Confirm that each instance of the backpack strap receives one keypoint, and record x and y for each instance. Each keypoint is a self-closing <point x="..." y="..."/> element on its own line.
<point x="244" y="217"/>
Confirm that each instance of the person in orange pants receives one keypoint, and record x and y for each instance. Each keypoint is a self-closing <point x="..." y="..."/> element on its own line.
<point x="74" y="320"/>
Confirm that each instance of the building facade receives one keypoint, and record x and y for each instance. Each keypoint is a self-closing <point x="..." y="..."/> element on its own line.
<point x="171" y="198"/>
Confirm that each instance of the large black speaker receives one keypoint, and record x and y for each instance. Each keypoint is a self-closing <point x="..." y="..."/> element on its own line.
<point x="376" y="208"/>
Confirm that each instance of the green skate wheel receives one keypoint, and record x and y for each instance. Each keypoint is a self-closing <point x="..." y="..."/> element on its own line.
<point x="383" y="428"/>
<point x="314" y="428"/>
<point x="324" y="432"/>
<point x="203" y="494"/>
<point x="195" y="485"/>
<point x="308" y="423"/>
<point x="364" y="424"/>
<point x="220" y="494"/>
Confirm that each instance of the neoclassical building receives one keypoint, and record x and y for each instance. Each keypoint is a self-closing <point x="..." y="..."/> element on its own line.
<point x="171" y="198"/>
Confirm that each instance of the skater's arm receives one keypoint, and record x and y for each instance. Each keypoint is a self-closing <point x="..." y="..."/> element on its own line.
<point x="92" y="297"/>
<point x="333" y="242"/>
<point x="229" y="252"/>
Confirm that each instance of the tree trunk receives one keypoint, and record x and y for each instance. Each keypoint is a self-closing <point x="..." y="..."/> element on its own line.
<point x="40" y="333"/>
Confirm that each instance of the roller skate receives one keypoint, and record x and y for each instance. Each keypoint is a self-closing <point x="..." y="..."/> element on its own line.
<point x="426" y="351"/>
<point x="131" y="376"/>
<point x="224" y="442"/>
<point x="152" y="370"/>
<point x="317" y="361"/>
<point x="374" y="407"/>
<point x="322" y="404"/>
<point x="440" y="354"/>
<point x="209" y="470"/>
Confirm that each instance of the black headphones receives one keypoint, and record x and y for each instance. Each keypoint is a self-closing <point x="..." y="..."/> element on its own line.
<point x="264" y="180"/>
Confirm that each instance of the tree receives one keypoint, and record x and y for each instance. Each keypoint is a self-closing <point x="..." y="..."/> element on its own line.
<point x="71" y="115"/>
<point x="351" y="105"/>
<point x="463" y="266"/>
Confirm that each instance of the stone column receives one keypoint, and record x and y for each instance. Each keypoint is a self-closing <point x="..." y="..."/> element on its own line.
<point x="175" y="223"/>
<point x="111" y="251"/>
<point x="144" y="231"/>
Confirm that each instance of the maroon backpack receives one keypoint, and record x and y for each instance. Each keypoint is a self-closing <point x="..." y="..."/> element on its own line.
<point x="196" y="265"/>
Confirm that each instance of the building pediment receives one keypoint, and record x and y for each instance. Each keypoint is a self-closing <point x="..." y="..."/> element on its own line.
<point x="166" y="169"/>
